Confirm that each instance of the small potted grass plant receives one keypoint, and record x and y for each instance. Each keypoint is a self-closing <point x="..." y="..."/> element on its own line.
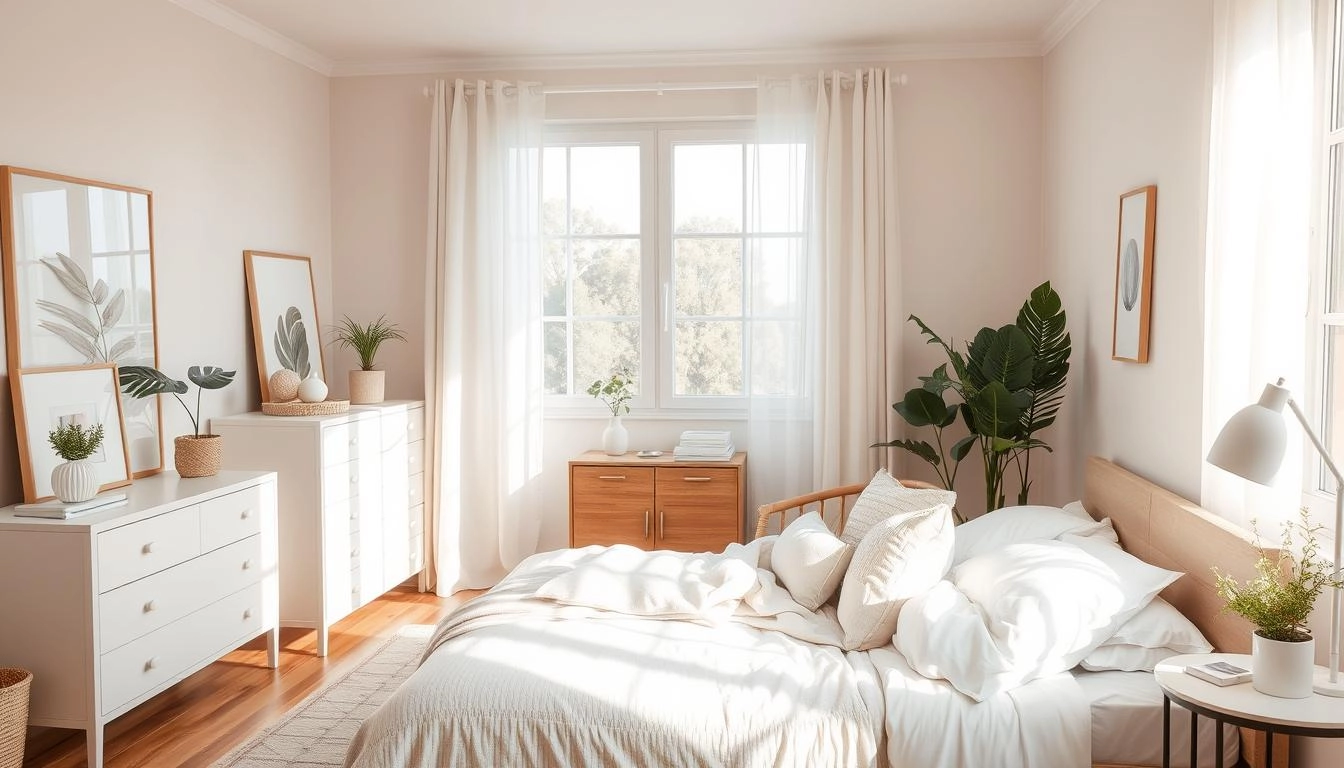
<point x="194" y="455"/>
<point x="1279" y="601"/>
<point x="75" y="479"/>
<point x="366" y="384"/>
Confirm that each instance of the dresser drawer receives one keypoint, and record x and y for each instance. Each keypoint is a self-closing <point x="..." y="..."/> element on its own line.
<point x="416" y="520"/>
<point x="415" y="425"/>
<point x="164" y="655"/>
<point x="415" y="458"/>
<point x="415" y="490"/>
<point x="155" y="601"/>
<point x="600" y="486"/>
<point x="351" y="479"/>
<point x="355" y="439"/>
<point x="230" y="518"/>
<point x="148" y="546"/>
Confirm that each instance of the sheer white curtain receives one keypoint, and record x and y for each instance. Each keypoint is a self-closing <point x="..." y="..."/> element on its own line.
<point x="825" y="167"/>
<point x="1258" y="234"/>
<point x="483" y="371"/>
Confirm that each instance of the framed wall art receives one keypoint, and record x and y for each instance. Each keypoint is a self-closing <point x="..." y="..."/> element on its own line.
<point x="45" y="398"/>
<point x="79" y="285"/>
<point x="284" y="316"/>
<point x="1134" y="275"/>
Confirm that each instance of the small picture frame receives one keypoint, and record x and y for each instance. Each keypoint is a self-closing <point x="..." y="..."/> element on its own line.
<point x="1134" y="275"/>
<point x="45" y="398"/>
<point x="284" y="316"/>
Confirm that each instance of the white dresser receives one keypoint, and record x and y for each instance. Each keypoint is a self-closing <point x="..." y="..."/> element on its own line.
<point x="109" y="608"/>
<point x="351" y="503"/>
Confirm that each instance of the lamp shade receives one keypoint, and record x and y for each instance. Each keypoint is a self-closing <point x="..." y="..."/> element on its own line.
<point x="1252" y="442"/>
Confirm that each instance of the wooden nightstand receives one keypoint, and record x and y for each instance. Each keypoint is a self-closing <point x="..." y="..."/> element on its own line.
<point x="656" y="503"/>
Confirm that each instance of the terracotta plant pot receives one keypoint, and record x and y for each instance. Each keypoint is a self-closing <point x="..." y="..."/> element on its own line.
<point x="197" y="456"/>
<point x="366" y="387"/>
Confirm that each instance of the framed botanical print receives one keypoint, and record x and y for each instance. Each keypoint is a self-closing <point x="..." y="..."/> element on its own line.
<point x="47" y="398"/>
<point x="284" y="316"/>
<point x="1134" y="275"/>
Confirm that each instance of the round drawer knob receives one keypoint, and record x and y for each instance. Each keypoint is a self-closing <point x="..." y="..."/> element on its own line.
<point x="147" y="549"/>
<point x="247" y="613"/>
<point x="152" y="663"/>
<point x="354" y="441"/>
<point x="354" y="553"/>
<point x="246" y="514"/>
<point x="150" y="606"/>
<point x="354" y="479"/>
<point x="247" y="565"/>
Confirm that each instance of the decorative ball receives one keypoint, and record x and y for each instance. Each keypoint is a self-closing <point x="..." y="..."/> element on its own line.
<point x="313" y="391"/>
<point x="284" y="386"/>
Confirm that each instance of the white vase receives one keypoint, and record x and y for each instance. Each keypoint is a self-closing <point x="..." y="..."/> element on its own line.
<point x="615" y="438"/>
<point x="1282" y="669"/>
<point x="74" y="481"/>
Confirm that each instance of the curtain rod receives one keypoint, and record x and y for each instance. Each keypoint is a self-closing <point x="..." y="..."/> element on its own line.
<point x="661" y="88"/>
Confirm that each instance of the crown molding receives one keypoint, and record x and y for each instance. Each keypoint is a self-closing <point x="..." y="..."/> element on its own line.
<point x="852" y="55"/>
<point x="260" y="34"/>
<point x="1068" y="17"/>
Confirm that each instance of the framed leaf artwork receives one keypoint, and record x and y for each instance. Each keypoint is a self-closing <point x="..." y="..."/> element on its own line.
<point x="1134" y="275"/>
<point x="79" y="285"/>
<point x="284" y="316"/>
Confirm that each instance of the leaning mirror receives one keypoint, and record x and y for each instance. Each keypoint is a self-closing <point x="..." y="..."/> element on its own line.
<point x="79" y="285"/>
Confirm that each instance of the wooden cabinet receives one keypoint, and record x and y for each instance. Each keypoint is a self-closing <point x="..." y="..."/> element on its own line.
<point x="656" y="503"/>
<point x="351" y="503"/>
<point x="110" y="608"/>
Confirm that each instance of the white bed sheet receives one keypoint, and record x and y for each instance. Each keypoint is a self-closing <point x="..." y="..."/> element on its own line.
<point x="1127" y="723"/>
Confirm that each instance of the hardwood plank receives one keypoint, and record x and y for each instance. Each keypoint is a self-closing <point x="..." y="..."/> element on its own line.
<point x="198" y="721"/>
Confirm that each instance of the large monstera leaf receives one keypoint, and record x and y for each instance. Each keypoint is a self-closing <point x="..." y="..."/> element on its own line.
<point x="210" y="376"/>
<point x="291" y="343"/>
<point x="143" y="381"/>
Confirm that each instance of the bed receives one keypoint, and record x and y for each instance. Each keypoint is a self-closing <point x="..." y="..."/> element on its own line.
<point x="513" y="680"/>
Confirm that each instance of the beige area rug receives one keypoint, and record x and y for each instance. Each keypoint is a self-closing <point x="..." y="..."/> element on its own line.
<point x="318" y="730"/>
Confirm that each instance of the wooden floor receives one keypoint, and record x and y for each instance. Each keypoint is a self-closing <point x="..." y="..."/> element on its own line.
<point x="200" y="719"/>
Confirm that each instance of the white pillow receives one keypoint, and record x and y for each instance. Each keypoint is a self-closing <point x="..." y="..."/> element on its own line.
<point x="809" y="560"/>
<point x="995" y="530"/>
<point x="898" y="558"/>
<point x="1153" y="634"/>
<point x="1025" y="611"/>
<point x="1076" y="508"/>
<point x="883" y="498"/>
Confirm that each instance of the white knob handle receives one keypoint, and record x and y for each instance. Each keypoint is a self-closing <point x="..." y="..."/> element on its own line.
<point x="246" y="514"/>
<point x="247" y="613"/>
<point x="354" y="479"/>
<point x="247" y="565"/>
<point x="149" y="606"/>
<point x="354" y="441"/>
<point x="354" y="514"/>
<point x="152" y="663"/>
<point x="147" y="549"/>
<point x="354" y="553"/>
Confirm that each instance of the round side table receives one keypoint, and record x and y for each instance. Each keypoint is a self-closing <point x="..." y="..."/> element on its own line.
<point x="1240" y="705"/>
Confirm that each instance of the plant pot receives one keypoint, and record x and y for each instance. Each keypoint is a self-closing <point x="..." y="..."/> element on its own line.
<point x="615" y="438"/>
<point x="366" y="387"/>
<point x="197" y="456"/>
<point x="15" y="685"/>
<point x="1281" y="668"/>
<point x="73" y="481"/>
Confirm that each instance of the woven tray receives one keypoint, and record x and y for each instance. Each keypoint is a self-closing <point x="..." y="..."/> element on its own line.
<point x="300" y="408"/>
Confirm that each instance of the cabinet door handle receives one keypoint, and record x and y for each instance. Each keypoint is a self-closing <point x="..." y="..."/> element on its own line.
<point x="697" y="479"/>
<point x="660" y="524"/>
<point x="646" y="523"/>
<point x="611" y="477"/>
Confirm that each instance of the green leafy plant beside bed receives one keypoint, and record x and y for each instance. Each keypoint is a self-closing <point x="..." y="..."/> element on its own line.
<point x="73" y="442"/>
<point x="1279" y="600"/>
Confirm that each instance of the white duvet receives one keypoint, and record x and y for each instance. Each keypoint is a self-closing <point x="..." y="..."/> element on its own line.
<point x="654" y="668"/>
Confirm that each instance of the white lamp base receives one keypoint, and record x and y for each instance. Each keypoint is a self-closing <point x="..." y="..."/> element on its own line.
<point x="1323" y="686"/>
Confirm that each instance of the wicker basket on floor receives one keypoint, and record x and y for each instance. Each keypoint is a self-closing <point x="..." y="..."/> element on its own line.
<point x="14" y="687"/>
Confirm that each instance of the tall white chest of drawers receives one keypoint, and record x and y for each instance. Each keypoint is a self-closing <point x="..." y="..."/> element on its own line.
<point x="351" y="503"/>
<point x="110" y="608"/>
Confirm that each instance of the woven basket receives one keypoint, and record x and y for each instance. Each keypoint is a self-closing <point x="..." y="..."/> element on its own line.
<point x="14" y="688"/>
<point x="197" y="456"/>
<point x="300" y="408"/>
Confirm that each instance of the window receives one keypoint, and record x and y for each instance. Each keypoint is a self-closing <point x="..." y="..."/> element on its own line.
<point x="1328" y="298"/>
<point x="659" y="257"/>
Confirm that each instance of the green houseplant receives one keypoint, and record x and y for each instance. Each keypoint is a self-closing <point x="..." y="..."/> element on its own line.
<point x="1008" y="386"/>
<point x="366" y="384"/>
<point x="195" y="455"/>
<point x="616" y="391"/>
<point x="75" y="479"/>
<point x="1279" y="601"/>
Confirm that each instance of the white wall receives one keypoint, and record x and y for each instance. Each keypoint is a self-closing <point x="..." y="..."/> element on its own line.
<point x="233" y="141"/>
<point x="970" y="185"/>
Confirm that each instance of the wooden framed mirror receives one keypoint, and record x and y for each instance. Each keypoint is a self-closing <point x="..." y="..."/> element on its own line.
<point x="79" y="285"/>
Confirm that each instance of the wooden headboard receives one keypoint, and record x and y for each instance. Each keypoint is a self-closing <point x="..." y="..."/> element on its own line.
<point x="1168" y="531"/>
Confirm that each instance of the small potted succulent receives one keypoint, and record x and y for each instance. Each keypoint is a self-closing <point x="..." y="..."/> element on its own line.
<point x="1279" y="601"/>
<point x="75" y="479"/>
<point x="194" y="455"/>
<point x="366" y="384"/>
<point x="615" y="392"/>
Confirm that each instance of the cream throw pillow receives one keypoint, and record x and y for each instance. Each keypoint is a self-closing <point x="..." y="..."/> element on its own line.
<point x="898" y="558"/>
<point x="809" y="560"/>
<point x="883" y="498"/>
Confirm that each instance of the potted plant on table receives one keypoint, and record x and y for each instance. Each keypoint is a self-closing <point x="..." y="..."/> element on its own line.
<point x="615" y="392"/>
<point x="195" y="455"/>
<point x="1278" y="601"/>
<point x="75" y="479"/>
<point x="366" y="384"/>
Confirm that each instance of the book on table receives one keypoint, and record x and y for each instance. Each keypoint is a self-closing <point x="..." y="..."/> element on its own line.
<point x="1219" y="673"/>
<point x="56" y="509"/>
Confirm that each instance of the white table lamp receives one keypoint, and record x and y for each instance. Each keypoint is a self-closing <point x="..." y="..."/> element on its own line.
<point x="1251" y="446"/>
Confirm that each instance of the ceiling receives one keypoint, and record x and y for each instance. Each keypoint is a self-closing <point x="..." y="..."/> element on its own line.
<point x="356" y="36"/>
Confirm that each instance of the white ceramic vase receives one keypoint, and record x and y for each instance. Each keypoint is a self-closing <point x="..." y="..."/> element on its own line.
<point x="615" y="438"/>
<point x="74" y="481"/>
<point x="1282" y="669"/>
<point x="366" y="387"/>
